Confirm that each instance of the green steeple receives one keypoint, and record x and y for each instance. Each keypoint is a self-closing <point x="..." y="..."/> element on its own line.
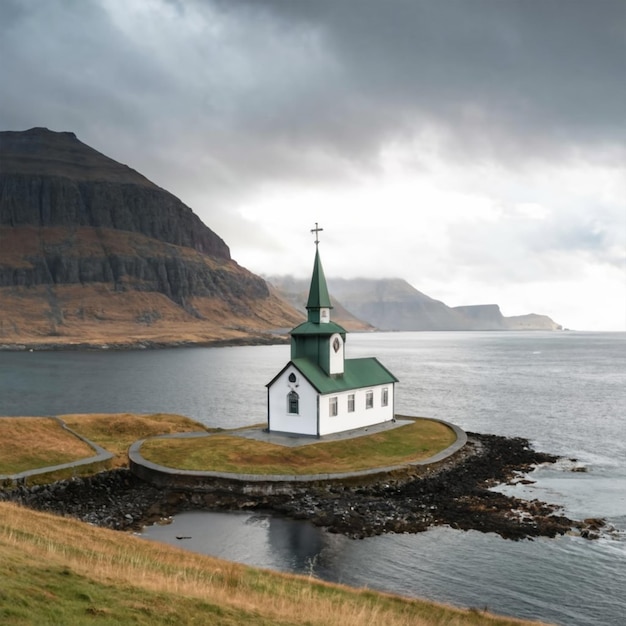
<point x="318" y="291"/>
<point x="312" y="339"/>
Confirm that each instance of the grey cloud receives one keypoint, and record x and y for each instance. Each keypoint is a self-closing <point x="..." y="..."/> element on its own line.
<point x="227" y="94"/>
<point x="552" y="68"/>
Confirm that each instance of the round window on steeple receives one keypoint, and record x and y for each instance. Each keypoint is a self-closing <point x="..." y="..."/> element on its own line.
<point x="292" y="378"/>
<point x="336" y="344"/>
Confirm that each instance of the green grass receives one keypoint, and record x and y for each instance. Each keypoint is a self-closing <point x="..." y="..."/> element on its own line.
<point x="57" y="595"/>
<point x="227" y="453"/>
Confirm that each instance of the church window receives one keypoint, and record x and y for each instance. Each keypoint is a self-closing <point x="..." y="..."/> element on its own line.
<point x="293" y="403"/>
<point x="351" y="403"/>
<point x="385" y="397"/>
<point x="332" y="406"/>
<point x="336" y="344"/>
<point x="369" y="400"/>
<point x="292" y="378"/>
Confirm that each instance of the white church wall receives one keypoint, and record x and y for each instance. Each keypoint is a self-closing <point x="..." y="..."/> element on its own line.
<point x="280" y="420"/>
<point x="361" y="416"/>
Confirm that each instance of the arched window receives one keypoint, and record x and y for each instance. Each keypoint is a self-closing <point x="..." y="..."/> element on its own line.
<point x="293" y="401"/>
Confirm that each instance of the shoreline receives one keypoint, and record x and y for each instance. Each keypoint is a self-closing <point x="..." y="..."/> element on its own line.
<point x="263" y="339"/>
<point x="454" y="492"/>
<point x="147" y="344"/>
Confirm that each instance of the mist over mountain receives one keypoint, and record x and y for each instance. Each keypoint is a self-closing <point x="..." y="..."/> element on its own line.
<point x="394" y="305"/>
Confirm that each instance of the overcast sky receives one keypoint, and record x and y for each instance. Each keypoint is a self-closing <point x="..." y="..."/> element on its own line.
<point x="475" y="148"/>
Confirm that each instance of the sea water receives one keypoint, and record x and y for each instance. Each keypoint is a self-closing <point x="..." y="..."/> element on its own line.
<point x="565" y="391"/>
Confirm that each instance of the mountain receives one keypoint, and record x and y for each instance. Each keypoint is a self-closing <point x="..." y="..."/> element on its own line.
<point x="92" y="252"/>
<point x="393" y="304"/>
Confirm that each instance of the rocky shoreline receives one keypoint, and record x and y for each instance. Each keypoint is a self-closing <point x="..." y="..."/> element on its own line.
<point x="268" y="339"/>
<point x="455" y="492"/>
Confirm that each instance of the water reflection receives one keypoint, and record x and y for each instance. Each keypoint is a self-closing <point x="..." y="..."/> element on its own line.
<point x="255" y="539"/>
<point x="303" y="544"/>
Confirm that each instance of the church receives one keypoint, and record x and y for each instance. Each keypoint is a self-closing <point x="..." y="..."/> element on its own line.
<point x="319" y="391"/>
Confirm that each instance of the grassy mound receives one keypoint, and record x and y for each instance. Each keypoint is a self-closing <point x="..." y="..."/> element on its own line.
<point x="225" y="452"/>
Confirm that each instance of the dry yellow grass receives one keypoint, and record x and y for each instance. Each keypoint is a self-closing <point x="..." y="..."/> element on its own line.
<point x="58" y="570"/>
<point x="28" y="443"/>
<point x="35" y="442"/>
<point x="99" y="315"/>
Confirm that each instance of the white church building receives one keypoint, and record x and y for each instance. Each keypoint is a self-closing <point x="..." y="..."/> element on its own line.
<point x="319" y="391"/>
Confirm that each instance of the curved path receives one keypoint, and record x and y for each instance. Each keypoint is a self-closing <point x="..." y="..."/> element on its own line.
<point x="166" y="475"/>
<point x="100" y="456"/>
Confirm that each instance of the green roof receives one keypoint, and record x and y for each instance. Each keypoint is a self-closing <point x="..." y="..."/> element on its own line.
<point x="318" y="292"/>
<point x="313" y="328"/>
<point x="358" y="373"/>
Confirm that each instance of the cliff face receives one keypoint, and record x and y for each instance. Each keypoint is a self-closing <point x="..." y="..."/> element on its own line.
<point x="92" y="251"/>
<point x="52" y="179"/>
<point x="489" y="317"/>
<point x="80" y="255"/>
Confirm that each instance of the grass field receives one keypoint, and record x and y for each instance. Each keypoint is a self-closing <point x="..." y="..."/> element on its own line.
<point x="60" y="571"/>
<point x="37" y="442"/>
<point x="227" y="453"/>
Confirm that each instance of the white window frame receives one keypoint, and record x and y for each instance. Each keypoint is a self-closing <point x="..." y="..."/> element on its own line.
<point x="351" y="403"/>
<point x="369" y="399"/>
<point x="384" y="396"/>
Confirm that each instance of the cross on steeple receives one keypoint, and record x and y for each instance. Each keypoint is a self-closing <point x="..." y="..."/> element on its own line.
<point x="317" y="231"/>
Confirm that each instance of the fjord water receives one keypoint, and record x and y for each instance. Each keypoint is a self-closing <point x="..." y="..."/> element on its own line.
<point x="564" y="391"/>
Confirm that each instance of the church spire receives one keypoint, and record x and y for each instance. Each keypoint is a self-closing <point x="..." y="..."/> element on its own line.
<point x="318" y="305"/>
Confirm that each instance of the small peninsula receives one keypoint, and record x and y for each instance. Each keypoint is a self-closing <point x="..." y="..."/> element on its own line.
<point x="455" y="491"/>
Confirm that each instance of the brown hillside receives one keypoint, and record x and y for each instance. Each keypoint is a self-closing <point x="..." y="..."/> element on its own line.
<point x="92" y="252"/>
